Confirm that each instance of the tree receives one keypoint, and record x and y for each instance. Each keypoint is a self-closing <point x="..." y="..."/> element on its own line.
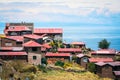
<point x="104" y="44"/>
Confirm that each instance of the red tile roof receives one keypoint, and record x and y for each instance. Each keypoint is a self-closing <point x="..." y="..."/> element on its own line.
<point x="16" y="38"/>
<point x="81" y="55"/>
<point x="6" y="48"/>
<point x="58" y="54"/>
<point x="33" y="36"/>
<point x="32" y="44"/>
<point x="18" y="28"/>
<point x="104" y="51"/>
<point x="46" y="45"/>
<point x="69" y="50"/>
<point x="78" y="43"/>
<point x="12" y="48"/>
<point x="100" y="60"/>
<point x="117" y="73"/>
<point x="48" y="30"/>
<point x="13" y="53"/>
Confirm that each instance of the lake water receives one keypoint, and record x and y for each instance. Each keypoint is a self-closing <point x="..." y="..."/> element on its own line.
<point x="92" y="35"/>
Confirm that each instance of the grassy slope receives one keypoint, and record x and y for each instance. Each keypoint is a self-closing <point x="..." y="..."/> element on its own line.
<point x="63" y="75"/>
<point x="50" y="75"/>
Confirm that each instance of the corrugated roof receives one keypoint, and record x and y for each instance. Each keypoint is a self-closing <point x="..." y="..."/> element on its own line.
<point x="104" y="51"/>
<point x="12" y="48"/>
<point x="58" y="54"/>
<point x="100" y="60"/>
<point x="13" y="53"/>
<point x="100" y="63"/>
<point x="16" y="38"/>
<point x="116" y="63"/>
<point x="33" y="36"/>
<point x="81" y="55"/>
<point x="32" y="44"/>
<point x="78" y="43"/>
<point x="117" y="73"/>
<point x="69" y="50"/>
<point x="48" y="30"/>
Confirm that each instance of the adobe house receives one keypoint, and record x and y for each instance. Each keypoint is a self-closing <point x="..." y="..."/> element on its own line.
<point x="34" y="37"/>
<point x="78" y="44"/>
<point x="13" y="55"/>
<point x="18" y="29"/>
<point x="69" y="50"/>
<point x="104" y="70"/>
<point x="12" y="41"/>
<point x="83" y="60"/>
<point x="117" y="75"/>
<point x="34" y="52"/>
<point x="52" y="33"/>
<point x="53" y="57"/>
<point x="107" y="69"/>
<point x="104" y="53"/>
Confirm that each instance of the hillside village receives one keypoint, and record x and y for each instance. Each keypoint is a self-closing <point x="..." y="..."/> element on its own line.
<point x="37" y="46"/>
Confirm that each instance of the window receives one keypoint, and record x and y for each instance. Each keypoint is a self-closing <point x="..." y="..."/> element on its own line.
<point x="8" y="44"/>
<point x="85" y="59"/>
<point x="34" y="49"/>
<point x="18" y="43"/>
<point x="13" y="33"/>
<point x="34" y="57"/>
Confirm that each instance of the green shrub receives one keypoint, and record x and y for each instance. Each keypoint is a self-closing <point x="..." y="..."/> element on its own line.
<point x="44" y="61"/>
<point x="59" y="63"/>
<point x="91" y="67"/>
<point x="42" y="68"/>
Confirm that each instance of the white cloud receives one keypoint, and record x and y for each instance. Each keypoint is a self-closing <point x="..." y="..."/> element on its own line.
<point x="56" y="10"/>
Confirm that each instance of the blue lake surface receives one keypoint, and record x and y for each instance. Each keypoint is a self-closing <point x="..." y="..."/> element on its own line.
<point x="92" y="35"/>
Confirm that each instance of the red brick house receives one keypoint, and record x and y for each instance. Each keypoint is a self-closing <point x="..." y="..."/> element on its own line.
<point x="34" y="37"/>
<point x="18" y="29"/>
<point x="12" y="41"/>
<point x="51" y="33"/>
<point x="53" y="57"/>
<point x="104" y="53"/>
<point x="78" y="44"/>
<point x="13" y="55"/>
<point x="104" y="70"/>
<point x="34" y="52"/>
<point x="107" y="69"/>
<point x="69" y="50"/>
<point x="83" y="60"/>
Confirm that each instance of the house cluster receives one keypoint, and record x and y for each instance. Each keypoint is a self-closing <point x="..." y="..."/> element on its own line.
<point x="21" y="41"/>
<point x="105" y="63"/>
